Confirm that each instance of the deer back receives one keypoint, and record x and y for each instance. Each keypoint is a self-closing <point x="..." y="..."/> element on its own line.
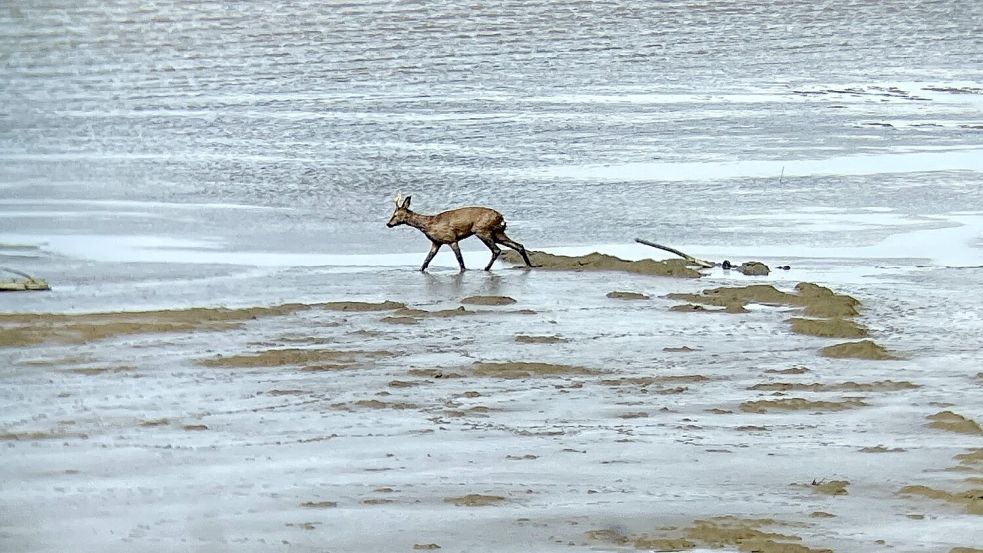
<point x="457" y="224"/>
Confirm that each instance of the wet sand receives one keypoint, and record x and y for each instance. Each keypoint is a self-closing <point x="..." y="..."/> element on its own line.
<point x="533" y="404"/>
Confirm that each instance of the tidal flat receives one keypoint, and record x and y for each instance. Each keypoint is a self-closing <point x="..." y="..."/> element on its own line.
<point x="532" y="404"/>
<point x="236" y="353"/>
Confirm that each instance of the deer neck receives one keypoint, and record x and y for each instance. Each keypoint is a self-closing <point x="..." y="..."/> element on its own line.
<point x="420" y="222"/>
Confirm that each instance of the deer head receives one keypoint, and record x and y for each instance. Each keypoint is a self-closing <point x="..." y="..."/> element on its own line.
<point x="401" y="211"/>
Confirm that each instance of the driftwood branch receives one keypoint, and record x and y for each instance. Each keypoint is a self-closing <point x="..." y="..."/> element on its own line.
<point x="18" y="273"/>
<point x="690" y="258"/>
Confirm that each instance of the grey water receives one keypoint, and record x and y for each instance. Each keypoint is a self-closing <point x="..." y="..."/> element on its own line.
<point x="289" y="126"/>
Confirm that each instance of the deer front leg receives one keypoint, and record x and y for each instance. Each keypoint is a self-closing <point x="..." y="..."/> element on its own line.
<point x="433" y="251"/>
<point x="457" y="254"/>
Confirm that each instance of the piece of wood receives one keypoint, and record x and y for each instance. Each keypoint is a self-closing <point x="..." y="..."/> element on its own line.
<point x="690" y="258"/>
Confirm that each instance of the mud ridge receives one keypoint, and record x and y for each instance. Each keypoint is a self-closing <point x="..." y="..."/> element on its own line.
<point x="676" y="268"/>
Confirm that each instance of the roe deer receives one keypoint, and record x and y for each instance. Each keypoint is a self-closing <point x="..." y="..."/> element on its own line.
<point x="455" y="225"/>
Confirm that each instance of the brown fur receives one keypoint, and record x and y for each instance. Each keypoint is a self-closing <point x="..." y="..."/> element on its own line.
<point x="450" y="227"/>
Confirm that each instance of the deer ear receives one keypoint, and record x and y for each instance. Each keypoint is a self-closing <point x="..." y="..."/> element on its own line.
<point x="406" y="202"/>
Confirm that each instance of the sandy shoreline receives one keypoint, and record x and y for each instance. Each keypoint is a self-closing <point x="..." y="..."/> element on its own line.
<point x="456" y="409"/>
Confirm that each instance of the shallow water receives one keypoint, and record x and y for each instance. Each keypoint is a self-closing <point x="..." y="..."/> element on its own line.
<point x="583" y="122"/>
<point x="188" y="154"/>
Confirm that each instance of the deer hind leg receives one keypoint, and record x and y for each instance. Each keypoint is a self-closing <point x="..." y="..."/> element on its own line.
<point x="457" y="254"/>
<point x="501" y="238"/>
<point x="433" y="251"/>
<point x="495" y="250"/>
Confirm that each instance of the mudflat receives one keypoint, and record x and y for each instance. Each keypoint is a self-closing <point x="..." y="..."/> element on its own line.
<point x="530" y="403"/>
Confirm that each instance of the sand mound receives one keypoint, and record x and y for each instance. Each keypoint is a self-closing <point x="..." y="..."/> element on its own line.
<point x="38" y="436"/>
<point x="864" y="349"/>
<point x="953" y="422"/>
<point x="359" y="306"/>
<point x="877" y="386"/>
<point x="450" y="312"/>
<point x="828" y="328"/>
<point x="974" y="457"/>
<point x="602" y="262"/>
<point x="433" y="373"/>
<point x="972" y="500"/>
<point x="618" y="295"/>
<point x="310" y="359"/>
<point x="488" y="300"/>
<point x="831" y="487"/>
<point x="689" y="308"/>
<point x="402" y="320"/>
<point x="816" y="301"/>
<point x="475" y="500"/>
<point x="664" y="544"/>
<point x="524" y="339"/>
<point x="753" y="268"/>
<point x="526" y="370"/>
<point x="319" y="504"/>
<point x="715" y="533"/>
<point x="411" y="315"/>
<point x="31" y="329"/>
<point x="798" y="404"/>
